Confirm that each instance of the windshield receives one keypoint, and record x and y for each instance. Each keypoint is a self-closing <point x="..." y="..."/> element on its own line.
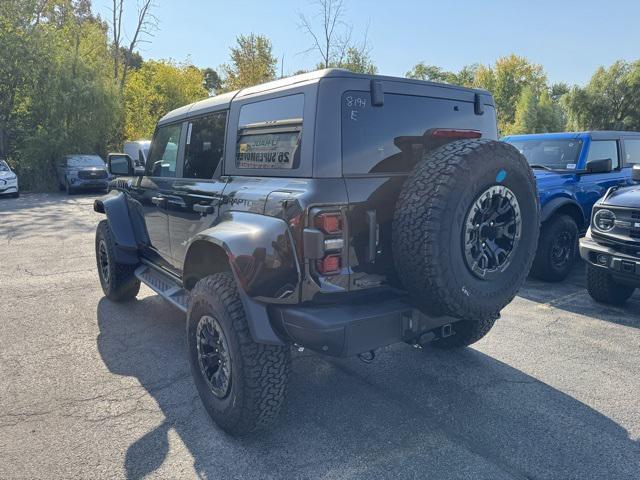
<point x="85" y="161"/>
<point x="559" y="154"/>
<point x="3" y="166"/>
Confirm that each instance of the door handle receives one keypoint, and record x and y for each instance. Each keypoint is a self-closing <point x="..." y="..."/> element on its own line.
<point x="159" y="201"/>
<point x="198" y="207"/>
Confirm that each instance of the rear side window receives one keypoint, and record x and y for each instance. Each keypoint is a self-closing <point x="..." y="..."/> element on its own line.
<point x="602" y="149"/>
<point x="390" y="138"/>
<point x="632" y="149"/>
<point x="269" y="134"/>
<point x="164" y="151"/>
<point x="205" y="146"/>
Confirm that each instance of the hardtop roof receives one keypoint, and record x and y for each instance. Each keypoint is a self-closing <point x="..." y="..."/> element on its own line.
<point x="225" y="99"/>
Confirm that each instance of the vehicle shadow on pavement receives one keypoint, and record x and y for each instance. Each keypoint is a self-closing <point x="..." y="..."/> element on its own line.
<point x="571" y="295"/>
<point x="410" y="414"/>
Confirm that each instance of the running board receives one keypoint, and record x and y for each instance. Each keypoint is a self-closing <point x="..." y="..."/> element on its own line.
<point x="164" y="286"/>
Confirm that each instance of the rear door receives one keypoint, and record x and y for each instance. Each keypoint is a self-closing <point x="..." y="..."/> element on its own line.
<point x="153" y="191"/>
<point x="193" y="203"/>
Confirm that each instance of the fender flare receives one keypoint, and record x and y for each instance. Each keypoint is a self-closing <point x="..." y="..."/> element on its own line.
<point x="117" y="212"/>
<point x="261" y="255"/>
<point x="553" y="205"/>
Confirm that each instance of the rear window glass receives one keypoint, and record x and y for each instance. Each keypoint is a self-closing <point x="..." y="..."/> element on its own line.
<point x="275" y="149"/>
<point x="269" y="134"/>
<point x="390" y="138"/>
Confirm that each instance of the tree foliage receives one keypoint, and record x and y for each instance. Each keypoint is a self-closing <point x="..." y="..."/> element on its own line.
<point x="609" y="101"/>
<point x="62" y="98"/>
<point x="252" y="63"/>
<point x="157" y="88"/>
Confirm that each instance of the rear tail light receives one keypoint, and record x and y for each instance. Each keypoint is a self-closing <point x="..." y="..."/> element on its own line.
<point x="330" y="264"/>
<point x="329" y="223"/>
<point x="324" y="243"/>
<point x="455" y="133"/>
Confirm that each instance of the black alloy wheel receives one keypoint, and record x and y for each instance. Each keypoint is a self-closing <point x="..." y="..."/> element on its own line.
<point x="213" y="356"/>
<point x="491" y="232"/>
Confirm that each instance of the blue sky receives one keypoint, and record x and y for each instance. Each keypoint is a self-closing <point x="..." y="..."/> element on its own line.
<point x="569" y="38"/>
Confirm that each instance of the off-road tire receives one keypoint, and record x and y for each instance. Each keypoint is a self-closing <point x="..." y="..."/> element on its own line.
<point x="604" y="289"/>
<point x="543" y="267"/>
<point x="428" y="227"/>
<point x="120" y="283"/>
<point x="466" y="332"/>
<point x="259" y="372"/>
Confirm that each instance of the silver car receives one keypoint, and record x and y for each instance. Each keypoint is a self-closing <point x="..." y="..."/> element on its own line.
<point x="82" y="172"/>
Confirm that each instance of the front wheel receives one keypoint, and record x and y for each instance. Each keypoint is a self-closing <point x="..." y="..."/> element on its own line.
<point x="241" y="383"/>
<point x="603" y="288"/>
<point x="118" y="280"/>
<point x="556" y="249"/>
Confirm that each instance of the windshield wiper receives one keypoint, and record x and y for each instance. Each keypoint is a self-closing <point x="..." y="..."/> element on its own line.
<point x="535" y="165"/>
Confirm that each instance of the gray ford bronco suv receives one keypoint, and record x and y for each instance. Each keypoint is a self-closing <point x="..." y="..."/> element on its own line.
<point x="333" y="211"/>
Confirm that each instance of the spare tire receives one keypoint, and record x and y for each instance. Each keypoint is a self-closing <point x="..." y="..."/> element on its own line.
<point x="465" y="229"/>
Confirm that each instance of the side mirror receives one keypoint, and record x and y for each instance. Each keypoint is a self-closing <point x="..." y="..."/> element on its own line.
<point x="635" y="173"/>
<point x="120" y="165"/>
<point x="604" y="165"/>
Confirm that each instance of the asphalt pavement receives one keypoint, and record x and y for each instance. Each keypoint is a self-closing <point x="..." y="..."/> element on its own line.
<point x="94" y="389"/>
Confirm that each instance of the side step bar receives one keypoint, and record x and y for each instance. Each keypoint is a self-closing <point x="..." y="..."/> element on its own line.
<point x="164" y="286"/>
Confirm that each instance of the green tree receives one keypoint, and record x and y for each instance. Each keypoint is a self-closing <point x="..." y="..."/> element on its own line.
<point x="63" y="97"/>
<point x="506" y="80"/>
<point x="422" y="71"/>
<point x="537" y="113"/>
<point x="355" y="60"/>
<point x="252" y="63"/>
<point x="155" y="89"/>
<point x="608" y="101"/>
<point x="465" y="77"/>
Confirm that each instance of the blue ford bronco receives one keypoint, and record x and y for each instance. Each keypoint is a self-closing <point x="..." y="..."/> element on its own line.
<point x="332" y="211"/>
<point x="573" y="170"/>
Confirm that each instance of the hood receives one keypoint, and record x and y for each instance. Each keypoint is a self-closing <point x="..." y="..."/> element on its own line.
<point x="546" y="177"/>
<point x="624" y="197"/>
<point x="8" y="174"/>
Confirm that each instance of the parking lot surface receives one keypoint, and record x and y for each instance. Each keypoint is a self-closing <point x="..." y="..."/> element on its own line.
<point x="94" y="389"/>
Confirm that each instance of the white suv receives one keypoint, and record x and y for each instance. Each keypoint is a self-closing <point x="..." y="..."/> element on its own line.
<point x="8" y="180"/>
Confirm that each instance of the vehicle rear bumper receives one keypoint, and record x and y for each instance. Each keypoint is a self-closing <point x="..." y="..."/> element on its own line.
<point x="348" y="329"/>
<point x="623" y="267"/>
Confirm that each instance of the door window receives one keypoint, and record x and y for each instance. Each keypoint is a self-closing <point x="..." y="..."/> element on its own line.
<point x="205" y="146"/>
<point x="163" y="155"/>
<point x="601" y="149"/>
<point x="632" y="149"/>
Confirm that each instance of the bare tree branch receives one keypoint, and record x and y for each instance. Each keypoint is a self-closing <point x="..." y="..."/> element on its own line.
<point x="333" y="38"/>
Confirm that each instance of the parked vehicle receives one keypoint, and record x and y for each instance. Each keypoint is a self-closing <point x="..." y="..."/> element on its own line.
<point x="333" y="211"/>
<point x="573" y="170"/>
<point x="8" y="180"/>
<point x="611" y="246"/>
<point x="82" y="172"/>
<point x="138" y="150"/>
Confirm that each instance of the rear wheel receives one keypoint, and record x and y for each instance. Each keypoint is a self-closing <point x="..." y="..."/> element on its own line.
<point x="556" y="250"/>
<point x="242" y="383"/>
<point x="465" y="230"/>
<point x="603" y="288"/>
<point x="118" y="280"/>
